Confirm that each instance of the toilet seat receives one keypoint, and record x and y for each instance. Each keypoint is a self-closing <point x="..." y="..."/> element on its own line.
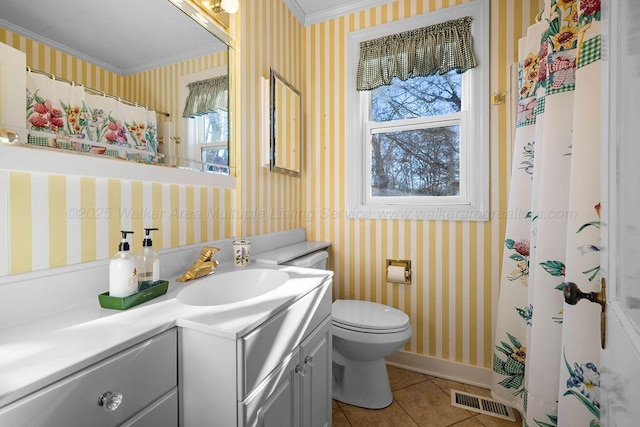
<point x="368" y="330"/>
<point x="368" y="317"/>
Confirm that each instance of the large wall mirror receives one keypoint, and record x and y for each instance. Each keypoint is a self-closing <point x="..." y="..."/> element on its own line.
<point x="285" y="126"/>
<point x="148" y="49"/>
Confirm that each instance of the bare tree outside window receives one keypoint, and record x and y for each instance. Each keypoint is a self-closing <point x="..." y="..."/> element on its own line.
<point x="425" y="159"/>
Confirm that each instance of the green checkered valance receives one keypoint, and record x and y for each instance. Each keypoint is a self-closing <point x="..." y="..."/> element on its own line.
<point x="436" y="49"/>
<point x="207" y="96"/>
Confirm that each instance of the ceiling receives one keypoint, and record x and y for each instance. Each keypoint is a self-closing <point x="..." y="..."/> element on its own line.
<point x="122" y="36"/>
<point x="313" y="11"/>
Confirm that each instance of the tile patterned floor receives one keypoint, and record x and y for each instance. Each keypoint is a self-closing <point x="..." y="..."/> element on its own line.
<point x="419" y="400"/>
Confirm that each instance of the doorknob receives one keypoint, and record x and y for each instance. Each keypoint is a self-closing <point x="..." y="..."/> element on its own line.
<point x="573" y="294"/>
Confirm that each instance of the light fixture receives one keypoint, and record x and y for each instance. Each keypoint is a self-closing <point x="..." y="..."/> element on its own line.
<point x="229" y="6"/>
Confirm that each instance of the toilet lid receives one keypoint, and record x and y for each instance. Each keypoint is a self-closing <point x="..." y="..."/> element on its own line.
<point x="368" y="316"/>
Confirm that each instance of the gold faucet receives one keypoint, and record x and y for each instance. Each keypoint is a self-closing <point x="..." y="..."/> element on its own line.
<point x="203" y="266"/>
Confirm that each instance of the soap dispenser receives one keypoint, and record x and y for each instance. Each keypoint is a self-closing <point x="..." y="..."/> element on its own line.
<point x="123" y="275"/>
<point x="148" y="263"/>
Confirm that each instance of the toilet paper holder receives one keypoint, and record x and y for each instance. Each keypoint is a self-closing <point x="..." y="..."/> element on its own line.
<point x="403" y="264"/>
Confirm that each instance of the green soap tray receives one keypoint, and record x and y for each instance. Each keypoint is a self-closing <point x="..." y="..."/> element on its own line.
<point x="123" y="303"/>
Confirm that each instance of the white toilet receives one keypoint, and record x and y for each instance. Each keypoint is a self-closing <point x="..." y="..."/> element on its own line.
<point x="364" y="333"/>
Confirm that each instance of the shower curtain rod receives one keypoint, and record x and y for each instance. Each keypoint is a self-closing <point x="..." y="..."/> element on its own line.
<point x="97" y="92"/>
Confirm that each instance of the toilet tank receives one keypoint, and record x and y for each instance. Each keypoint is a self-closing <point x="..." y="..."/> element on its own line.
<point x="316" y="259"/>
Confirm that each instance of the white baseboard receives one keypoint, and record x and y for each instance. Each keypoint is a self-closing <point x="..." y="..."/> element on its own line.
<point x="441" y="368"/>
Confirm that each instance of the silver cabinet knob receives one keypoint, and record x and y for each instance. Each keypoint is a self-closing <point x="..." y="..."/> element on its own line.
<point x="302" y="370"/>
<point x="308" y="360"/>
<point x="110" y="401"/>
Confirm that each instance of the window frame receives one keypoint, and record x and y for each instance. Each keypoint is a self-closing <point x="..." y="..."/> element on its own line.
<point x="473" y="205"/>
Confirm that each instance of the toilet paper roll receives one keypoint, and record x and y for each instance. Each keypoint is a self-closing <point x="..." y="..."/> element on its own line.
<point x="395" y="274"/>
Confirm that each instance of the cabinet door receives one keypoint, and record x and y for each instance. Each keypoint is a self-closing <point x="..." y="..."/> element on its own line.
<point x="276" y="401"/>
<point x="316" y="382"/>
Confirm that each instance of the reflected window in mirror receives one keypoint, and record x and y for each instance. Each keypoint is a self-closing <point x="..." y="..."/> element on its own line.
<point x="207" y="115"/>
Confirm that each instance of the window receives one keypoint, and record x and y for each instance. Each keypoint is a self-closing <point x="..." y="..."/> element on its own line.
<point x="420" y="146"/>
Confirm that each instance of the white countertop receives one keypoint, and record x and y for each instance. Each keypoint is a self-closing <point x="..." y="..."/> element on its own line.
<point x="35" y="354"/>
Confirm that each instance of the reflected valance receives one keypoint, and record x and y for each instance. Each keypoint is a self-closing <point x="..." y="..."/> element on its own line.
<point x="436" y="49"/>
<point x="207" y="96"/>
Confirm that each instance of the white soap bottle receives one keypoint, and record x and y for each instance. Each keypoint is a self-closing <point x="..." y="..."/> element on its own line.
<point x="123" y="274"/>
<point x="148" y="262"/>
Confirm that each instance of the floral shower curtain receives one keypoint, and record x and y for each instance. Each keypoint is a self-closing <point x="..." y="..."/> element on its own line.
<point x="546" y="353"/>
<point x="62" y="115"/>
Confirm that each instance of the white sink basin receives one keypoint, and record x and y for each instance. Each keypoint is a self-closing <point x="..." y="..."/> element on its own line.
<point x="227" y="288"/>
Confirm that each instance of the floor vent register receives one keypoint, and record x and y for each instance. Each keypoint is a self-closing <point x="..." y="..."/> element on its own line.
<point x="483" y="405"/>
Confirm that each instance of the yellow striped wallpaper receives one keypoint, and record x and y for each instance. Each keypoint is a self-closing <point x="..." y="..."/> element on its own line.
<point x="455" y="264"/>
<point x="269" y="36"/>
<point x="60" y="220"/>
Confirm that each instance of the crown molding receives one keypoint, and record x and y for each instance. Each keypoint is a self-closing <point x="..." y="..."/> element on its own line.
<point x="341" y="10"/>
<point x="330" y="12"/>
<point x="295" y="8"/>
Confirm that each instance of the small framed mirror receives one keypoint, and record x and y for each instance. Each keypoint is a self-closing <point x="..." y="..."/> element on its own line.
<point x="285" y="126"/>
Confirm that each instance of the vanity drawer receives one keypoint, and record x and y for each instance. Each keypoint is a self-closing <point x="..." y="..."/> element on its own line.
<point x="262" y="350"/>
<point x="162" y="413"/>
<point x="141" y="374"/>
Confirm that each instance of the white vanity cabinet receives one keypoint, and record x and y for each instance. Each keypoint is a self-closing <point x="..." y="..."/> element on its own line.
<point x="137" y="387"/>
<point x="278" y="374"/>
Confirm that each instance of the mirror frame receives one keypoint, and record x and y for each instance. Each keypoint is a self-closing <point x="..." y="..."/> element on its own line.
<point x="273" y="108"/>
